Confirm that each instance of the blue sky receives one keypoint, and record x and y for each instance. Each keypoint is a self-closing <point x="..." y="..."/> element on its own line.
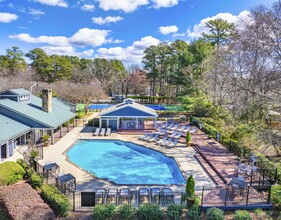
<point x="113" y="29"/>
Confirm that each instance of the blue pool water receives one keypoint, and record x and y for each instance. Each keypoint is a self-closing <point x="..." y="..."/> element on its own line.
<point x="125" y="162"/>
<point x="103" y="106"/>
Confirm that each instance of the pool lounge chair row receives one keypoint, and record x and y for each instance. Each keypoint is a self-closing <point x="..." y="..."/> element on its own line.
<point x="143" y="195"/>
<point x="165" y="141"/>
<point x="102" y="132"/>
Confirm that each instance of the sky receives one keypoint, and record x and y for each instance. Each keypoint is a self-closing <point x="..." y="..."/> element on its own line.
<point x="112" y="29"/>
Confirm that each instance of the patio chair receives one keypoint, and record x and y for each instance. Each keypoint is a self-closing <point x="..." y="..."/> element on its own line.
<point x="163" y="132"/>
<point x="187" y="128"/>
<point x="143" y="195"/>
<point x="162" y="140"/>
<point x="100" y="196"/>
<point x="168" y="141"/>
<point x="108" y="132"/>
<point x="154" y="138"/>
<point x="174" y="127"/>
<point x="178" y="135"/>
<point x="148" y="137"/>
<point x="155" y="195"/>
<point x="170" y="125"/>
<point x="97" y="132"/>
<point x="165" y="125"/>
<point x="111" y="196"/>
<point x="173" y="134"/>
<point x="102" y="132"/>
<point x="144" y="136"/>
<point x="182" y="128"/>
<point x="173" y="143"/>
<point x="124" y="196"/>
<point x="168" y="196"/>
<point x="194" y="130"/>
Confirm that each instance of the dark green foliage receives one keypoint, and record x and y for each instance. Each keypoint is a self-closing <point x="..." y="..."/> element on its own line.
<point x="27" y="169"/>
<point x="103" y="212"/>
<point x="242" y="215"/>
<point x="276" y="195"/>
<point x="36" y="180"/>
<point x="10" y="173"/>
<point x="174" y="212"/>
<point x="34" y="154"/>
<point x="190" y="187"/>
<point x="126" y="212"/>
<point x="215" y="214"/>
<point x="193" y="213"/>
<point x="149" y="212"/>
<point x="57" y="201"/>
<point x="45" y="138"/>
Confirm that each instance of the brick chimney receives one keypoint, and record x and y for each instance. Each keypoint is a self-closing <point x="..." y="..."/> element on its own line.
<point x="47" y="100"/>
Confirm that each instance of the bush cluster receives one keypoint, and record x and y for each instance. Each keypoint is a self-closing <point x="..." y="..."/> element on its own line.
<point x="20" y="201"/>
<point x="57" y="201"/>
<point x="10" y="173"/>
<point x="174" y="212"/>
<point x="103" y="212"/>
<point x="149" y="212"/>
<point x="36" y="180"/>
<point x="242" y="215"/>
<point x="126" y="212"/>
<point x="193" y="213"/>
<point x="215" y="214"/>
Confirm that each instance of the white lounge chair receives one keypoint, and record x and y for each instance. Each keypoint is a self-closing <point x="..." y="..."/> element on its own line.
<point x="182" y="128"/>
<point x="194" y="130"/>
<point x="144" y="136"/>
<point x="102" y="132"/>
<point x="173" y="134"/>
<point x="162" y="140"/>
<point x="186" y="129"/>
<point x="178" y="135"/>
<point x="148" y="137"/>
<point x="97" y="132"/>
<point x="154" y="138"/>
<point x="163" y="132"/>
<point x="172" y="143"/>
<point x="165" y="143"/>
<point x="108" y="132"/>
<point x="174" y="127"/>
<point x="170" y="125"/>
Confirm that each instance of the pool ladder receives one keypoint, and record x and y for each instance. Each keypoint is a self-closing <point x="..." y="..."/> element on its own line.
<point x="92" y="172"/>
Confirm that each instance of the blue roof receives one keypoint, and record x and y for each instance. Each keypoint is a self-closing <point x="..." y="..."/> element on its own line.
<point x="11" y="129"/>
<point x="18" y="91"/>
<point x="33" y="111"/>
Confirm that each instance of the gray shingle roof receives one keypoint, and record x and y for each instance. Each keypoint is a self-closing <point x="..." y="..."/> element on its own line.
<point x="132" y="105"/>
<point x="11" y="128"/>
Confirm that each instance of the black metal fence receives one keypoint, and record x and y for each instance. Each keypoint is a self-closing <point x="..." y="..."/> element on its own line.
<point x="229" y="197"/>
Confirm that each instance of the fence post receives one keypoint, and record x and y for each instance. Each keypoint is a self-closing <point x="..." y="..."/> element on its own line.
<point x="263" y="174"/>
<point x="275" y="176"/>
<point x="251" y="181"/>
<point x="269" y="195"/>
<point x="202" y="197"/>
<point x="226" y="191"/>
<point x="247" y="198"/>
<point x="73" y="200"/>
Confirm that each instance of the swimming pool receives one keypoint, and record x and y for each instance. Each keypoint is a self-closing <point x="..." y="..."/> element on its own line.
<point x="125" y="162"/>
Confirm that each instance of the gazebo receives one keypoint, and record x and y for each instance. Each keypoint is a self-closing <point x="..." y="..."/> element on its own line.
<point x="127" y="115"/>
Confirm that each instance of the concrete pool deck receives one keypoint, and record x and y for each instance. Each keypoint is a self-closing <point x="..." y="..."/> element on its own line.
<point x="86" y="182"/>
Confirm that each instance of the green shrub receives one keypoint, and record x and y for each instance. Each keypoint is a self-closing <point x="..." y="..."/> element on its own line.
<point x="36" y="181"/>
<point x="215" y="214"/>
<point x="188" y="138"/>
<point x="57" y="201"/>
<point x="190" y="187"/>
<point x="149" y="212"/>
<point x="193" y="213"/>
<point x="126" y="212"/>
<point x="276" y="195"/>
<point x="27" y="169"/>
<point x="174" y="212"/>
<point x="34" y="154"/>
<point x="10" y="173"/>
<point x="242" y="215"/>
<point x="103" y="212"/>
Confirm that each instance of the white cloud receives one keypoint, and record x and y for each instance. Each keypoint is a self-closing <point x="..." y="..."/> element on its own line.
<point x="7" y="17"/>
<point x="83" y="37"/>
<point x="124" y="5"/>
<point x="33" y="11"/>
<point x="130" y="54"/>
<point x="87" y="7"/>
<point x="66" y="50"/>
<point x="164" y="3"/>
<point x="198" y="29"/>
<point x="60" y="3"/>
<point x="168" y="29"/>
<point x="90" y="37"/>
<point x="179" y="35"/>
<point x="106" y="20"/>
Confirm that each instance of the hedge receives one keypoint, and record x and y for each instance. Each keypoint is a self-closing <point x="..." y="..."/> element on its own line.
<point x="10" y="173"/>
<point x="57" y="201"/>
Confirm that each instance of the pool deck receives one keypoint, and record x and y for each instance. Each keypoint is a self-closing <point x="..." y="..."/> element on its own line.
<point x="86" y="182"/>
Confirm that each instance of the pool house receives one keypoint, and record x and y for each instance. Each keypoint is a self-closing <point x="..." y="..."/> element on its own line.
<point x="128" y="115"/>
